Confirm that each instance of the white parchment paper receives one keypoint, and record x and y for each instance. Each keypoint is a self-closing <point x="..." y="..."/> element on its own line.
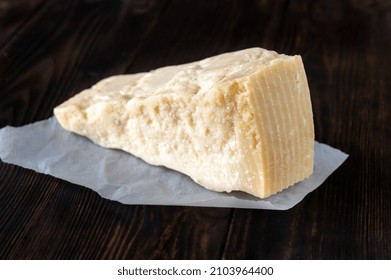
<point x="46" y="148"/>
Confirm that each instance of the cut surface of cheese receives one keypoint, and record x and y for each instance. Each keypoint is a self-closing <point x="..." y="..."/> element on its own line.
<point x="239" y="121"/>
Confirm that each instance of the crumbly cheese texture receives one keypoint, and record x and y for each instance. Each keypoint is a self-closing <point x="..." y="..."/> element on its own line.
<point x="239" y="121"/>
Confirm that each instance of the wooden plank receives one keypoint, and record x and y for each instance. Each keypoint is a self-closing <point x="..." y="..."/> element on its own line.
<point x="73" y="222"/>
<point x="54" y="49"/>
<point x="69" y="47"/>
<point x="14" y="15"/>
<point x="345" y="53"/>
<point x="78" y="44"/>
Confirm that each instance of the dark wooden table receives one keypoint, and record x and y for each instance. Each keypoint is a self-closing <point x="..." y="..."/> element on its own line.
<point x="50" y="50"/>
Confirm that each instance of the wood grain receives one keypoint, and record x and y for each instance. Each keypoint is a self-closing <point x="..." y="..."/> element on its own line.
<point x="50" y="50"/>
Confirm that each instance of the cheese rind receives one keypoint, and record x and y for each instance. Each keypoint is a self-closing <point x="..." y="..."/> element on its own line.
<point x="237" y="121"/>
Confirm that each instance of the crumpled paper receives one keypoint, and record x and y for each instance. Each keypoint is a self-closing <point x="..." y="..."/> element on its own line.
<point x="47" y="148"/>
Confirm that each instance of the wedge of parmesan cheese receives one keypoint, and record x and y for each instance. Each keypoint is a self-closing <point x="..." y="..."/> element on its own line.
<point x="239" y="121"/>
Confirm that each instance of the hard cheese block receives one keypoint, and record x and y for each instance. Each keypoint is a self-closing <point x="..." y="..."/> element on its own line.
<point x="239" y="121"/>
